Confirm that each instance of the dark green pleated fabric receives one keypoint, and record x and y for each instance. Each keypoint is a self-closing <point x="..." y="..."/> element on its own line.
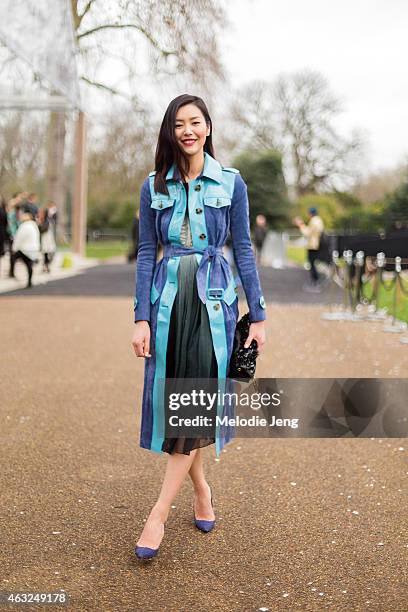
<point x="192" y="340"/>
<point x="190" y="352"/>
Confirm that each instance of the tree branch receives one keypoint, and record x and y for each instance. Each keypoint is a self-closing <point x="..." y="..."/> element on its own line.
<point x="122" y="26"/>
<point x="86" y="9"/>
<point x="111" y="90"/>
<point x="79" y="16"/>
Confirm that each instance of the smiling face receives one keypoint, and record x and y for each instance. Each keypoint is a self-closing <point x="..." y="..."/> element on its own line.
<point x="190" y="129"/>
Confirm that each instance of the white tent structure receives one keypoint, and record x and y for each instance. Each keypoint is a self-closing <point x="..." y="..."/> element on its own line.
<point x="40" y="33"/>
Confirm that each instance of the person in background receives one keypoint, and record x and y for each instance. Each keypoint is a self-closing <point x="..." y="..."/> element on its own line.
<point x="13" y="220"/>
<point x="312" y="231"/>
<point x="32" y="203"/>
<point x="132" y="255"/>
<point x="4" y="235"/>
<point x="22" y="198"/>
<point x="13" y="213"/>
<point x="53" y="217"/>
<point x="48" y="246"/>
<point x="26" y="244"/>
<point x="260" y="231"/>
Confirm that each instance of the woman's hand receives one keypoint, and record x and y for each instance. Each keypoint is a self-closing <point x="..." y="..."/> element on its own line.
<point x="141" y="339"/>
<point x="256" y="332"/>
<point x="298" y="221"/>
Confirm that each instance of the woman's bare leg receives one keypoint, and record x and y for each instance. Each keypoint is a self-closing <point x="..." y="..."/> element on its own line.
<point x="177" y="469"/>
<point x="202" y="498"/>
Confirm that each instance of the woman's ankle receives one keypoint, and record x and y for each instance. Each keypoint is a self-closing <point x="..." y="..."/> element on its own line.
<point x="160" y="513"/>
<point x="201" y="488"/>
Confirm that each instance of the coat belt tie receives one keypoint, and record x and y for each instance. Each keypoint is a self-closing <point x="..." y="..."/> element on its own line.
<point x="209" y="253"/>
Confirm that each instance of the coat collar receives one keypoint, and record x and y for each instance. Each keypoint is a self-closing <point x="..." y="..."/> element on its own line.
<point x="212" y="170"/>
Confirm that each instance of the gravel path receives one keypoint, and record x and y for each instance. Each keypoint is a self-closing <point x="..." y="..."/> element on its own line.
<point x="307" y="524"/>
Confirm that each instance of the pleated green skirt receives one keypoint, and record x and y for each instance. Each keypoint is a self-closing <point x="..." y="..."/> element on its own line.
<point x="190" y="352"/>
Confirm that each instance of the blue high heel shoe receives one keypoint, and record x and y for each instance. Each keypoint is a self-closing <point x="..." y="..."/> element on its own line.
<point x="143" y="552"/>
<point x="202" y="524"/>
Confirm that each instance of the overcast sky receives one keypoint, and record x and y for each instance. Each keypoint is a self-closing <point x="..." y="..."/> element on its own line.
<point x="361" y="46"/>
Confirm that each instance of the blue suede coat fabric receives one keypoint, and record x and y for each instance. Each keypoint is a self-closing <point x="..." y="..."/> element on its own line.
<point x="217" y="205"/>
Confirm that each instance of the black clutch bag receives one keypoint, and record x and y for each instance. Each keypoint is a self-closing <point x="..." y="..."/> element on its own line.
<point x="243" y="360"/>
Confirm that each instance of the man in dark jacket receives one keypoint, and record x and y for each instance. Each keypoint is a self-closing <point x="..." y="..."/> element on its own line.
<point x="260" y="231"/>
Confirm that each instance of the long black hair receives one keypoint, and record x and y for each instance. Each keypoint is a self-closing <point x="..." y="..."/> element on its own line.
<point x="168" y="151"/>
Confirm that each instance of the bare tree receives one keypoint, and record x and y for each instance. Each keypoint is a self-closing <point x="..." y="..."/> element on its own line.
<point x="374" y="186"/>
<point x="252" y="111"/>
<point x="307" y="110"/>
<point x="21" y="150"/>
<point x="120" y="158"/>
<point x="296" y="115"/>
<point x="173" y="37"/>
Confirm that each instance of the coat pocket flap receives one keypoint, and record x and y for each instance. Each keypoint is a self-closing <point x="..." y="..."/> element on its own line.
<point x="161" y="203"/>
<point x="217" y="201"/>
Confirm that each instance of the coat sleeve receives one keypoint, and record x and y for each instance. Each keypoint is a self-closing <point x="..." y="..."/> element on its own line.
<point x="146" y="255"/>
<point x="243" y="253"/>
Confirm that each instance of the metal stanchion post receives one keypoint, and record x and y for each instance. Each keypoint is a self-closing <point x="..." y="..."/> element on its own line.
<point x="340" y="314"/>
<point x="376" y="313"/>
<point x="396" y="326"/>
<point x="348" y="314"/>
<point x="358" y="308"/>
<point x="333" y="314"/>
<point x="404" y="339"/>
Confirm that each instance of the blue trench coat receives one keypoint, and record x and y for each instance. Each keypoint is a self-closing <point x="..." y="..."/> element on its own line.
<point x="217" y="204"/>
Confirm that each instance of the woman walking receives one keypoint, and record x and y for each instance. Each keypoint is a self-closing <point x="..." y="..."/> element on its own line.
<point x="186" y="305"/>
<point x="48" y="246"/>
<point x="4" y="231"/>
<point x="26" y="244"/>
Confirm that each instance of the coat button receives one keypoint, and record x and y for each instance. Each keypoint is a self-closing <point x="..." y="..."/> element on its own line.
<point x="199" y="211"/>
<point x="197" y="187"/>
<point x="161" y="205"/>
<point x="216" y="306"/>
<point x="203" y="236"/>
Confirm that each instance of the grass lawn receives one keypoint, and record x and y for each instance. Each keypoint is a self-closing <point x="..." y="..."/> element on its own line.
<point x="107" y="248"/>
<point x="386" y="300"/>
<point x="296" y="255"/>
<point x="102" y="249"/>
